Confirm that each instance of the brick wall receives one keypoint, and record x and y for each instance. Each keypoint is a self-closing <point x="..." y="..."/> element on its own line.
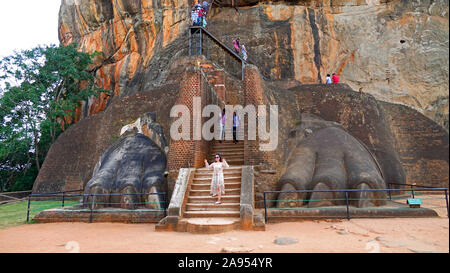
<point x="191" y="153"/>
<point x="266" y="163"/>
<point x="216" y="77"/>
<point x="254" y="95"/>
<point x="422" y="145"/>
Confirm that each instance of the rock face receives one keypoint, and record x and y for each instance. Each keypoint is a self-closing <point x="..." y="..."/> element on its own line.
<point x="133" y="166"/>
<point x="396" y="50"/>
<point x="70" y="162"/>
<point x="407" y="145"/>
<point x="325" y="157"/>
<point x="132" y="36"/>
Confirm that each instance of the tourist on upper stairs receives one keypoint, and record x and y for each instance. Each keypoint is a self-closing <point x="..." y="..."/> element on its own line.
<point x="237" y="46"/>
<point x="236" y="119"/>
<point x="194" y="16"/>
<point x="217" y="181"/>
<point x="244" y="55"/>
<point x="200" y="13"/>
<point x="335" y="78"/>
<point x="222" y="125"/>
<point x="328" y="79"/>
<point x="205" y="6"/>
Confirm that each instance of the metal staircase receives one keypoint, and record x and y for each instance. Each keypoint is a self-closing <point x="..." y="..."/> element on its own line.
<point x="203" y="42"/>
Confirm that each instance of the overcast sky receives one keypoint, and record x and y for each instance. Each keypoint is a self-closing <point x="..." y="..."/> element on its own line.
<point x="25" y="24"/>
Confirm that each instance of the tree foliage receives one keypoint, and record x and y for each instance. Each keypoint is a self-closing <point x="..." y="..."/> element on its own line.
<point x="40" y="90"/>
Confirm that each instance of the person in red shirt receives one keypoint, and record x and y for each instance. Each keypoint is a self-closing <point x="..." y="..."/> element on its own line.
<point x="335" y="78"/>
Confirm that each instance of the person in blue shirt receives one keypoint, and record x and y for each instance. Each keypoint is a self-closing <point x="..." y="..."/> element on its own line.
<point x="236" y="120"/>
<point x="328" y="79"/>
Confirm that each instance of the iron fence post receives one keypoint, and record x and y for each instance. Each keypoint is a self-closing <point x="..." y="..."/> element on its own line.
<point x="346" y="201"/>
<point x="92" y="207"/>
<point x="412" y="191"/>
<point x="207" y="46"/>
<point x="63" y="195"/>
<point x="28" y="209"/>
<point x="265" y="209"/>
<point x="201" y="42"/>
<point x="165" y="204"/>
<point x="242" y="70"/>
<point x="389" y="191"/>
<point x="446" y="201"/>
<point x="190" y="40"/>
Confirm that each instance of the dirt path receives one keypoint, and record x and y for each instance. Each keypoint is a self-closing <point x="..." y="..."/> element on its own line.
<point x="357" y="235"/>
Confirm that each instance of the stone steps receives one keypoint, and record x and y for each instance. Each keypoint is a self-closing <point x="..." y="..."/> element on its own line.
<point x="207" y="186"/>
<point x="207" y="192"/>
<point x="237" y="146"/>
<point x="229" y="158"/>
<point x="230" y="169"/>
<point x="226" y="171"/>
<point x="210" y="225"/>
<point x="212" y="206"/>
<point x="227" y="153"/>
<point x="208" y="179"/>
<point x="237" y="162"/>
<point x="201" y="205"/>
<point x="209" y="175"/>
<point x="206" y="199"/>
<point x="228" y="143"/>
<point x="215" y="213"/>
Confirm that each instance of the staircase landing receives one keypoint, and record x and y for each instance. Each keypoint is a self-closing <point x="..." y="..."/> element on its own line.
<point x="210" y="225"/>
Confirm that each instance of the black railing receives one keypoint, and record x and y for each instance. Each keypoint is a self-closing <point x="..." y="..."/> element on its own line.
<point x="203" y="42"/>
<point x="409" y="185"/>
<point x="63" y="195"/>
<point x="347" y="199"/>
<point x="91" y="204"/>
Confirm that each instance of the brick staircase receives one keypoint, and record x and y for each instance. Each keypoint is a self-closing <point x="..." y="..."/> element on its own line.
<point x="233" y="153"/>
<point x="202" y="214"/>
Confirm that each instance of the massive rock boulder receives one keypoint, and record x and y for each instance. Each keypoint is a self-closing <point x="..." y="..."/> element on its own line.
<point x="396" y="50"/>
<point x="129" y="174"/>
<point x="408" y="146"/>
<point x="325" y="157"/>
<point x="137" y="39"/>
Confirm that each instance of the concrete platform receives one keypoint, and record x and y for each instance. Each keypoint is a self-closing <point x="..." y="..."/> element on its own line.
<point x="391" y="210"/>
<point x="209" y="225"/>
<point x="111" y="215"/>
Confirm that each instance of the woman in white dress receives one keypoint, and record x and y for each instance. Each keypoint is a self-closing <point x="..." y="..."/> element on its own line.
<point x="217" y="181"/>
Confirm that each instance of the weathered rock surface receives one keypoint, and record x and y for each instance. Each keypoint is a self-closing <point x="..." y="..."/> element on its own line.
<point x="285" y="241"/>
<point x="324" y="157"/>
<point x="133" y="166"/>
<point x="132" y="36"/>
<point x="70" y="162"/>
<point x="395" y="50"/>
<point x="393" y="133"/>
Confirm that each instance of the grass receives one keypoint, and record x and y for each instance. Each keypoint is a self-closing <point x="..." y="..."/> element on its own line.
<point x="16" y="214"/>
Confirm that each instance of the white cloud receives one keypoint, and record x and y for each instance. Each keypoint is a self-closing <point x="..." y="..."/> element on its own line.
<point x="25" y="24"/>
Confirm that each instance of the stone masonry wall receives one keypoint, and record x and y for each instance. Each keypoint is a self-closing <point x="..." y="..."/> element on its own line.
<point x="422" y="145"/>
<point x="191" y="153"/>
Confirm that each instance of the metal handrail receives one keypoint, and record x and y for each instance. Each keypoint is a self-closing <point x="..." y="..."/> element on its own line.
<point x="194" y="29"/>
<point x="354" y="190"/>
<point x="62" y="194"/>
<point x="219" y="42"/>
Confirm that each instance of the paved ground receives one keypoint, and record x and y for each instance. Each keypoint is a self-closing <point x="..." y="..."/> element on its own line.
<point x="406" y="235"/>
<point x="358" y="235"/>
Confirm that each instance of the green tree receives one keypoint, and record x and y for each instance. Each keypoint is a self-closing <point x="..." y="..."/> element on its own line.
<point x="41" y="88"/>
